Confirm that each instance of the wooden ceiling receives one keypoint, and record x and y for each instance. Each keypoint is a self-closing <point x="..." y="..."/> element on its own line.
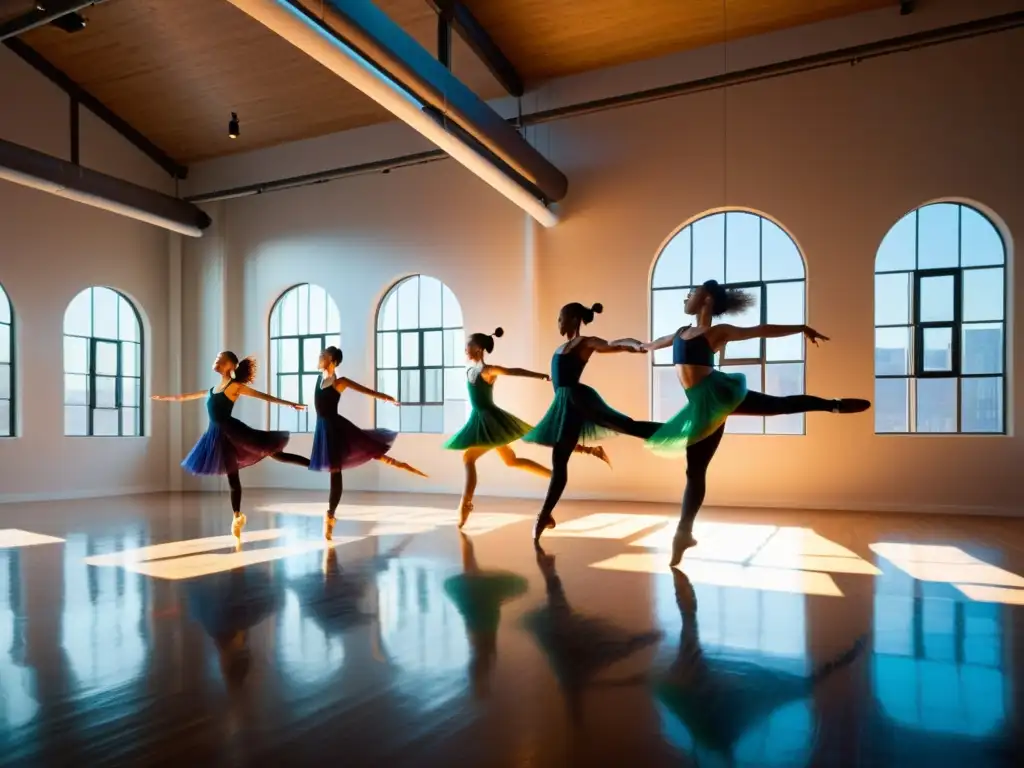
<point x="176" y="69"/>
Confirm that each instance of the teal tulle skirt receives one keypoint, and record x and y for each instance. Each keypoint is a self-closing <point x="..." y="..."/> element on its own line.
<point x="708" y="405"/>
<point x="488" y="428"/>
<point x="577" y="405"/>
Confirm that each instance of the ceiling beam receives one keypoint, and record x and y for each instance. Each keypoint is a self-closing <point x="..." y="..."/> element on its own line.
<point x="473" y="33"/>
<point x="29" y="168"/>
<point x="906" y="7"/>
<point x="444" y="42"/>
<point x="44" y="12"/>
<point x="35" y="60"/>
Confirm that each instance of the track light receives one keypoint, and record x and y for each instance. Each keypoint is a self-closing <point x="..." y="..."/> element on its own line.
<point x="233" y="130"/>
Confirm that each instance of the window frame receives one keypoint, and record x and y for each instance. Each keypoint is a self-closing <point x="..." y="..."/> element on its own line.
<point x="12" y="398"/>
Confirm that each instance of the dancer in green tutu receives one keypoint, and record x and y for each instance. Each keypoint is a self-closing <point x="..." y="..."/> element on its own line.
<point x="489" y="427"/>
<point x="713" y="395"/>
<point x="578" y="414"/>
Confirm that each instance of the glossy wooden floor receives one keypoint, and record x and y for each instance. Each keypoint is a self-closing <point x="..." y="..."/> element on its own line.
<point x="133" y="633"/>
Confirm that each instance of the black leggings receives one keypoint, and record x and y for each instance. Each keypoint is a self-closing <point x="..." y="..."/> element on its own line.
<point x="236" y="484"/>
<point x="335" y="498"/>
<point x="699" y="455"/>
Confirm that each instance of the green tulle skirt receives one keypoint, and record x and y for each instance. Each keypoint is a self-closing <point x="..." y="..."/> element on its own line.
<point x="478" y="597"/>
<point x="577" y="405"/>
<point x="708" y="405"/>
<point x="488" y="428"/>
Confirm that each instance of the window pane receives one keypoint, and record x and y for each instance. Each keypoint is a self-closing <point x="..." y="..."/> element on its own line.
<point x="127" y="321"/>
<point x="106" y="392"/>
<point x="309" y="381"/>
<point x="411" y="418"/>
<point x="106" y="358"/>
<point x="982" y="348"/>
<point x="892" y="405"/>
<point x="302" y="307"/>
<point x="5" y="418"/>
<point x="432" y="382"/>
<point x="333" y="319"/>
<point x="290" y="313"/>
<point x="938" y="233"/>
<point x="672" y="269"/>
<point x="311" y="349"/>
<point x="130" y="392"/>
<point x="75" y="420"/>
<point x="983" y="297"/>
<point x="75" y="391"/>
<point x="752" y="425"/>
<point x="455" y="414"/>
<point x="936" y="405"/>
<point x="387" y="317"/>
<point x="5" y="343"/>
<point x="129" y="359"/>
<point x="432" y="348"/>
<point x="748" y="348"/>
<point x="742" y="247"/>
<point x="5" y="381"/>
<point x="785" y="306"/>
<point x="898" y="249"/>
<point x="387" y="350"/>
<point x="5" y="306"/>
<point x="289" y="389"/>
<point x="669" y="395"/>
<point x="433" y="419"/>
<point x="317" y="309"/>
<point x="104" y="313"/>
<point x="892" y="299"/>
<point x="130" y="422"/>
<point x="937" y="299"/>
<point x="666" y="317"/>
<point x="275" y="319"/>
<point x="452" y="310"/>
<point x="105" y="423"/>
<point x="783" y="379"/>
<point x="410" y="349"/>
<point x="892" y="351"/>
<point x="287" y="419"/>
<point x="289" y="356"/>
<point x="709" y="249"/>
<point x="980" y="243"/>
<point x="387" y="382"/>
<point x="938" y="349"/>
<point x="409" y="303"/>
<point x="388" y="416"/>
<point x="76" y="355"/>
<point x="455" y="385"/>
<point x="409" y="387"/>
<point x="78" y="317"/>
<point x="780" y="259"/>
<point x="982" y="405"/>
<point x="430" y="302"/>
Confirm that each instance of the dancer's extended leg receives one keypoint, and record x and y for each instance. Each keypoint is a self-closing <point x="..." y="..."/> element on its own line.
<point x="560" y="454"/>
<point x="238" y="523"/>
<point x="392" y="462"/>
<point x="511" y="460"/>
<point x="698" y="458"/>
<point x="597" y="451"/>
<point x="332" y="503"/>
<point x="290" y="458"/>
<point x="760" y="404"/>
<point x="469" y="458"/>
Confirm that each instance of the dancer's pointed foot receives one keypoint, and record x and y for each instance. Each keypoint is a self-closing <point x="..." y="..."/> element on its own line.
<point x="600" y="453"/>
<point x="464" y="509"/>
<point x="682" y="541"/>
<point x="329" y="527"/>
<point x="851" y="405"/>
<point x="402" y="465"/>
<point x="237" y="525"/>
<point x="544" y="522"/>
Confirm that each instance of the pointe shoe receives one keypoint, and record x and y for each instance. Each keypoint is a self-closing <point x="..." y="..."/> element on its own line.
<point x="544" y="522"/>
<point x="329" y="527"/>
<point x="464" y="510"/>
<point x="681" y="542"/>
<point x="600" y="453"/>
<point x="851" y="405"/>
<point x="237" y="525"/>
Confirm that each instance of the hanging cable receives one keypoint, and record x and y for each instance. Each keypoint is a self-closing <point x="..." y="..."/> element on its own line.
<point x="725" y="104"/>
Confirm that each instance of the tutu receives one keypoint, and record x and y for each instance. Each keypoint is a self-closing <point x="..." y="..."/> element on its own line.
<point x="709" y="404"/>
<point x="488" y="425"/>
<point x="228" y="444"/>
<point x="575" y="404"/>
<point x="338" y="443"/>
<point x="478" y="597"/>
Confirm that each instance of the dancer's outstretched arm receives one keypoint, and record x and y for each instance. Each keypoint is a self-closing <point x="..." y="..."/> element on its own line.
<point x="497" y="370"/>
<point x="599" y="345"/>
<point x="181" y="398"/>
<point x="719" y="335"/>
<point x="245" y="389"/>
<point x="660" y="343"/>
<point x="344" y="383"/>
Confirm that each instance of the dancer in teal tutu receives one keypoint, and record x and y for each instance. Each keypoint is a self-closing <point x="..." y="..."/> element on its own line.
<point x="713" y="395"/>
<point x="229" y="445"/>
<point x="578" y="414"/>
<point x="488" y="426"/>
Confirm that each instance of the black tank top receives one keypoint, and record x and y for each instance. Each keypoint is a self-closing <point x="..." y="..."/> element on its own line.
<point x="695" y="351"/>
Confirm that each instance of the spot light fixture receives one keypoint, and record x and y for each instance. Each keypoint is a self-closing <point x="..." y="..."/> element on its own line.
<point x="233" y="129"/>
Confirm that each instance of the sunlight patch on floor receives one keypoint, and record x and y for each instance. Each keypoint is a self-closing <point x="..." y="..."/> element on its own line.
<point x="13" y="538"/>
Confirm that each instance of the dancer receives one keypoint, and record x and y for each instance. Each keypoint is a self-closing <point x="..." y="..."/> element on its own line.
<point x="489" y="427"/>
<point x="228" y="444"/>
<point x="338" y="443"/>
<point x="578" y="414"/>
<point x="712" y="396"/>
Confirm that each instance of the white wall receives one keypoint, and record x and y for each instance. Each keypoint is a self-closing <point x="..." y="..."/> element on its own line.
<point x="50" y="249"/>
<point x="836" y="155"/>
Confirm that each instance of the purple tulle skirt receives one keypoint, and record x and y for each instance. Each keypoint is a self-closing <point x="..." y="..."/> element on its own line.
<point x="230" y="445"/>
<point x="339" y="444"/>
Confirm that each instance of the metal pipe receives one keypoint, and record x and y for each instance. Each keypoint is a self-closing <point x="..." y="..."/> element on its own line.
<point x="910" y="42"/>
<point x="41" y="15"/>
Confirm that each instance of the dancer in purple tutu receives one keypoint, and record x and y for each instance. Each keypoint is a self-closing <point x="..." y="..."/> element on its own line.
<point x="338" y="443"/>
<point x="229" y="445"/>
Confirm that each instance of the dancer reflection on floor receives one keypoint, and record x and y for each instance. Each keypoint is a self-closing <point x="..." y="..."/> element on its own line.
<point x="488" y="426"/>
<point x="339" y="444"/>
<point x="713" y="395"/>
<point x="228" y="444"/>
<point x="478" y="595"/>
<point x="720" y="700"/>
<point x="577" y="414"/>
<point x="579" y="647"/>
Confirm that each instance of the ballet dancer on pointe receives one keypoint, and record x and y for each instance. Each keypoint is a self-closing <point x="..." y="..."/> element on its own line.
<point x="578" y="414"/>
<point x="712" y="395"/>
<point x="338" y="443"/>
<point x="489" y="427"/>
<point x="228" y="444"/>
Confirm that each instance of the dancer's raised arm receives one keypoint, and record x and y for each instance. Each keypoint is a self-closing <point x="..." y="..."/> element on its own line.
<point x="497" y="370"/>
<point x="723" y="333"/>
<point x="343" y="384"/>
<point x="245" y="389"/>
<point x="180" y="398"/>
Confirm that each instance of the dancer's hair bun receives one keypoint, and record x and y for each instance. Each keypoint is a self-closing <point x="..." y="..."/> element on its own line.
<point x="498" y="332"/>
<point x="597" y="308"/>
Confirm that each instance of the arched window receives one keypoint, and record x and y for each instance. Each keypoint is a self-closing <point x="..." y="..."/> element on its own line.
<point x="940" y="315"/>
<point x="741" y="250"/>
<point x="420" y="342"/>
<point x="6" y="366"/>
<point x="303" y="321"/>
<point x="102" y="365"/>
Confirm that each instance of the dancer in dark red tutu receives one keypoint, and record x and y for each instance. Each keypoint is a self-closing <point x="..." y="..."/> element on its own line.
<point x="338" y="443"/>
<point x="228" y="444"/>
